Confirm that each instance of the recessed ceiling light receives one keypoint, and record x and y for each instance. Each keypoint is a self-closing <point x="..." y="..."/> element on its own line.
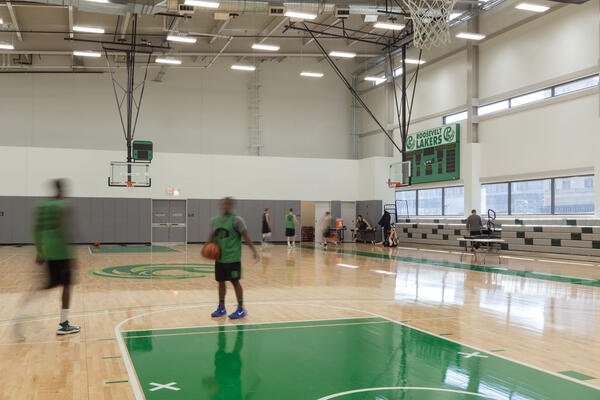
<point x="1" y="22"/>
<point x="342" y="54"/>
<point x="182" y="39"/>
<point x="470" y="36"/>
<point x="388" y="25"/>
<point x="243" y="67"/>
<point x="173" y="61"/>
<point x="311" y="74"/>
<point x="300" y="15"/>
<point x="370" y="18"/>
<point x="532" y="7"/>
<point x="87" y="29"/>
<point x="199" y="3"/>
<point x="266" y="47"/>
<point x="6" y="46"/>
<point x="414" y="61"/>
<point x="98" y="1"/>
<point x="87" y="53"/>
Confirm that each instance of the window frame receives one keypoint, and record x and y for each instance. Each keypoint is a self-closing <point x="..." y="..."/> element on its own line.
<point x="417" y="198"/>
<point x="552" y="193"/>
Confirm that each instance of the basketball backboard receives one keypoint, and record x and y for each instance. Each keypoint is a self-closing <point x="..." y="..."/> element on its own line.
<point x="399" y="175"/>
<point x="136" y="173"/>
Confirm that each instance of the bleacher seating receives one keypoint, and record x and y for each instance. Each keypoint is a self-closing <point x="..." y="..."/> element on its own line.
<point x="579" y="237"/>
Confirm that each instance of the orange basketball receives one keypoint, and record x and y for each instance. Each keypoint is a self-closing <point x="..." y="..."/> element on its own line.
<point x="211" y="251"/>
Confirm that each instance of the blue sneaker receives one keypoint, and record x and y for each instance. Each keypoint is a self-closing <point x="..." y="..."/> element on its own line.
<point x="220" y="311"/>
<point x="239" y="313"/>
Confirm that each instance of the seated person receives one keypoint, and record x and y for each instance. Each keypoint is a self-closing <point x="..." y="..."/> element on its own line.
<point x="361" y="226"/>
<point x="392" y="238"/>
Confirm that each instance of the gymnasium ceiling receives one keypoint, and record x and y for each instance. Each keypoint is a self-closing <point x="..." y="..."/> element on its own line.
<point x="41" y="31"/>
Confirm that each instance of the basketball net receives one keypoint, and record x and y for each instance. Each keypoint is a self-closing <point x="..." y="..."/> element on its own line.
<point x="431" y="22"/>
<point x="130" y="186"/>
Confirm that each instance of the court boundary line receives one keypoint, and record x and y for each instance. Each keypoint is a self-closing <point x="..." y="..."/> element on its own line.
<point x="275" y="328"/>
<point x="431" y="389"/>
<point x="243" y="324"/>
<point x="138" y="393"/>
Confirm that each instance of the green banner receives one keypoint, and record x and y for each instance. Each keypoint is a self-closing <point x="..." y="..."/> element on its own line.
<point x="431" y="138"/>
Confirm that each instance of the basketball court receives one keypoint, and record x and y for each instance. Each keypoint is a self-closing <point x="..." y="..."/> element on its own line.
<point x="417" y="178"/>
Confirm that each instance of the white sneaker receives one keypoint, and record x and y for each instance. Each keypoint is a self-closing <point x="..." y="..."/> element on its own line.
<point x="294" y="245"/>
<point x="289" y="246"/>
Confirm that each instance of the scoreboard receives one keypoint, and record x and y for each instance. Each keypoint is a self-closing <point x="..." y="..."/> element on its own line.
<point x="434" y="154"/>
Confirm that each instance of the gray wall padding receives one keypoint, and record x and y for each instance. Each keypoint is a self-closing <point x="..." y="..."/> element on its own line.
<point x="128" y="220"/>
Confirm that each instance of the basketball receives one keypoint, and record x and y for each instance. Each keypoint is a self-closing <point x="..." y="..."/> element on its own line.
<point x="211" y="251"/>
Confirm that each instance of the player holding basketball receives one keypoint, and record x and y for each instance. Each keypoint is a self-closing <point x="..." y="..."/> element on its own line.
<point x="290" y="228"/>
<point x="227" y="230"/>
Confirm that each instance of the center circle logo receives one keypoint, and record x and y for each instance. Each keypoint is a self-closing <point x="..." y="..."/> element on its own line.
<point x="155" y="271"/>
<point x="410" y="142"/>
<point x="448" y="134"/>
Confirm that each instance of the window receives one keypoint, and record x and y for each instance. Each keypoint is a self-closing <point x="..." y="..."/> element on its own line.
<point x="574" y="86"/>
<point x="574" y="195"/>
<point x="495" y="196"/>
<point x="430" y="202"/>
<point x="530" y="97"/>
<point x="452" y="118"/>
<point x="494" y="107"/>
<point x="531" y="197"/>
<point x="454" y="200"/>
<point x="406" y="203"/>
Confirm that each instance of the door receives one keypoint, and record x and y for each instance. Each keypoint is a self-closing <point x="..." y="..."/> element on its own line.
<point x="177" y="221"/>
<point x="169" y="219"/>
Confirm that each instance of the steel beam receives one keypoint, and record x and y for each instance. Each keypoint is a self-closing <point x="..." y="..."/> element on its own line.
<point x="15" y="22"/>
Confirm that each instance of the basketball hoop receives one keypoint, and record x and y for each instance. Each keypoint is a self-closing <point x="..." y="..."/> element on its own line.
<point x="396" y="185"/>
<point x="431" y="22"/>
<point x="130" y="185"/>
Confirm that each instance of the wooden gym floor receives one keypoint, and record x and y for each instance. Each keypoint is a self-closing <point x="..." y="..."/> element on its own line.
<point x="352" y="322"/>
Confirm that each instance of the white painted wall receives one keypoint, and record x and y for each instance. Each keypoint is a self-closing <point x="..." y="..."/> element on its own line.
<point x="27" y="170"/>
<point x="556" y="44"/>
<point x="191" y="111"/>
<point x="552" y="138"/>
<point x="441" y="86"/>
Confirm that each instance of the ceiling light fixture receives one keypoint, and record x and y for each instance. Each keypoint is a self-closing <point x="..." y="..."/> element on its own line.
<point x="87" y="29"/>
<point x="342" y="54"/>
<point x="243" y="67"/>
<point x="182" y="39"/>
<point x="300" y="15"/>
<point x="376" y="79"/>
<point x="266" y="47"/>
<point x="388" y="25"/>
<point x="87" y="53"/>
<point x="414" y="61"/>
<point x="532" y="7"/>
<point x="470" y="36"/>
<point x="172" y="61"/>
<point x="311" y="74"/>
<point x="204" y="4"/>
